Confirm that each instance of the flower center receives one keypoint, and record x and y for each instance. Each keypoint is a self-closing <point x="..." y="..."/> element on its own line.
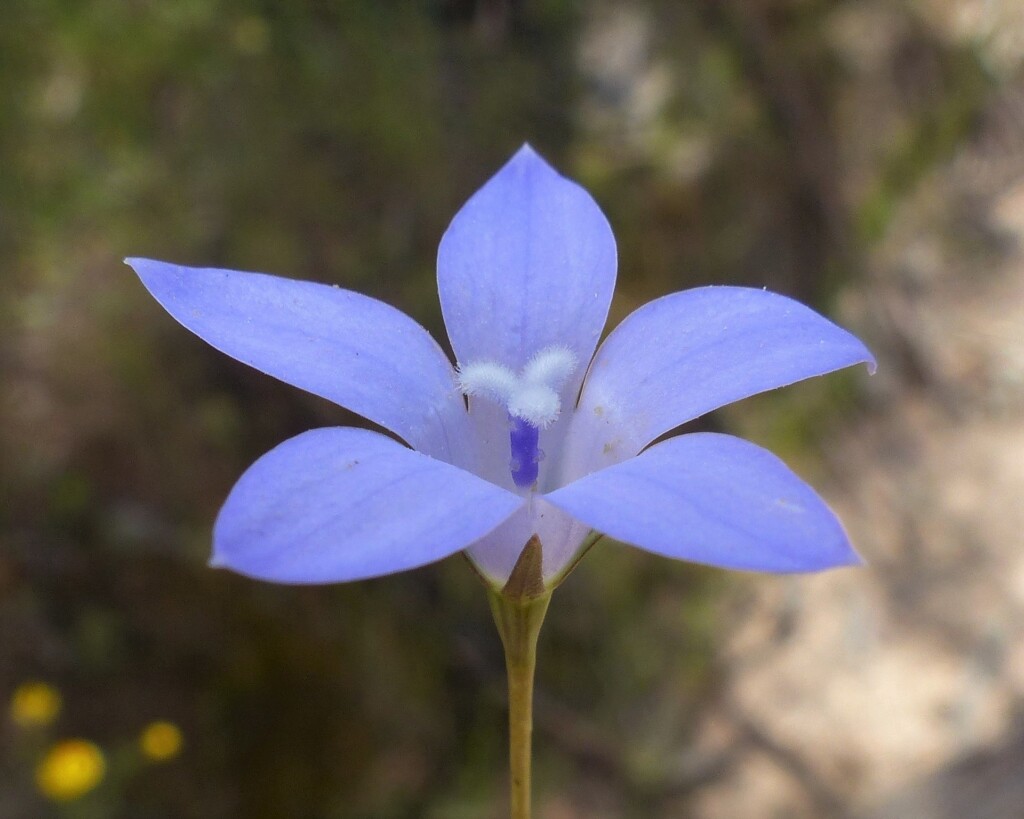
<point x="530" y="398"/>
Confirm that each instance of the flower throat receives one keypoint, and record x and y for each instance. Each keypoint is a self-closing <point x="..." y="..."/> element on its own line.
<point x="530" y="398"/>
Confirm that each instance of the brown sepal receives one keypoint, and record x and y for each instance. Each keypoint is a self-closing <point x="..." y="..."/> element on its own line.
<point x="527" y="579"/>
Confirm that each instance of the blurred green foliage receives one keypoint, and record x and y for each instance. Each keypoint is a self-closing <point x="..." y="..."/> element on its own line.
<point x="333" y="140"/>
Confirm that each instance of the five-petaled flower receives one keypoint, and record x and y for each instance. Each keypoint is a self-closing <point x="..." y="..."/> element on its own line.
<point x="532" y="433"/>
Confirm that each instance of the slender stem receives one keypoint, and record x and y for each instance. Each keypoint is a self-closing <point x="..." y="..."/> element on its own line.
<point x="520" y="733"/>
<point x="519" y="621"/>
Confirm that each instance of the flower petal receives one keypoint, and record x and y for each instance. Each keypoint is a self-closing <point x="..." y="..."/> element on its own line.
<point x="688" y="353"/>
<point x="496" y="553"/>
<point x="714" y="499"/>
<point x="348" y="348"/>
<point x="342" y="504"/>
<point x="528" y="263"/>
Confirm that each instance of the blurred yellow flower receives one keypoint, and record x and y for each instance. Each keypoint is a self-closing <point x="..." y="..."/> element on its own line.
<point x="161" y="741"/>
<point x="70" y="769"/>
<point x="35" y="704"/>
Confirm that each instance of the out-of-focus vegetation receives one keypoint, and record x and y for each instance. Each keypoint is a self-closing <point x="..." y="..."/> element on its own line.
<point x="758" y="143"/>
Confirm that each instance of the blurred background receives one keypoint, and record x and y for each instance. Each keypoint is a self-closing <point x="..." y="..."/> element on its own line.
<point x="864" y="156"/>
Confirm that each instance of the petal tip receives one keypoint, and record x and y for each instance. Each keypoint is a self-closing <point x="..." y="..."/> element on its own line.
<point x="528" y="158"/>
<point x="865" y="356"/>
<point x="145" y="267"/>
<point x="844" y="556"/>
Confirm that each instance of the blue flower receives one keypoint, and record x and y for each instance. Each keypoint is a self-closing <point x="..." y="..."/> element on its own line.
<point x="532" y="433"/>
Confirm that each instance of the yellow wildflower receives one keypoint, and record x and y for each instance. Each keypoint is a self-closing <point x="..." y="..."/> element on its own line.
<point x="35" y="704"/>
<point x="70" y="769"/>
<point x="161" y="741"/>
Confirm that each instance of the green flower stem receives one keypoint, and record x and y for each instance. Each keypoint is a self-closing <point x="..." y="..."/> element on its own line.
<point x="519" y="619"/>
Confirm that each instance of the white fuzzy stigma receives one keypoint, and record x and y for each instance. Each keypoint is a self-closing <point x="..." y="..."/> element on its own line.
<point x="551" y="366"/>
<point x="537" y="404"/>
<point x="489" y="379"/>
<point x="532" y="395"/>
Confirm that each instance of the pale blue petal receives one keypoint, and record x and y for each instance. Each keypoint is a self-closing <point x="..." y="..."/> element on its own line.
<point x="688" y="353"/>
<point x="348" y="348"/>
<point x="713" y="499"/>
<point x="342" y="504"/>
<point x="527" y="263"/>
<point x="496" y="553"/>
